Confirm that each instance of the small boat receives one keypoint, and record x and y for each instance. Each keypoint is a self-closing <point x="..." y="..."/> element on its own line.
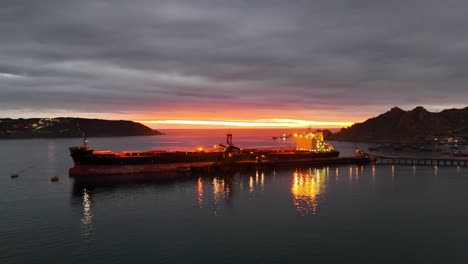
<point x="373" y="148"/>
<point x="274" y="138"/>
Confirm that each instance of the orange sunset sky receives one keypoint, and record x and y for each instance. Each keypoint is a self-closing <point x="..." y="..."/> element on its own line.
<point x="192" y="64"/>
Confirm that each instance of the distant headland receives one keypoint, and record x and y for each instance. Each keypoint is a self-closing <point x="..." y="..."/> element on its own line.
<point x="417" y="125"/>
<point x="67" y="127"/>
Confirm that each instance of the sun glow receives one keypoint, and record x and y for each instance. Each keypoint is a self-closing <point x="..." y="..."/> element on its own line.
<point x="272" y="123"/>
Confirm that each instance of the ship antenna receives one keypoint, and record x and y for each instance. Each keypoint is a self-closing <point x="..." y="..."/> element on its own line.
<point x="228" y="139"/>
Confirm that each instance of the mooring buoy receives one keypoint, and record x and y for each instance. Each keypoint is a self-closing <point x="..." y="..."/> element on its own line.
<point x="54" y="179"/>
<point x="14" y="175"/>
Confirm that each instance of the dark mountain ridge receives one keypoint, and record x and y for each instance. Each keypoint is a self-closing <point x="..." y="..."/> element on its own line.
<point x="63" y="127"/>
<point x="417" y="125"/>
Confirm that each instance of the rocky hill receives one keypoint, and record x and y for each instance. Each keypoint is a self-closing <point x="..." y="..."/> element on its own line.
<point x="417" y="125"/>
<point x="71" y="127"/>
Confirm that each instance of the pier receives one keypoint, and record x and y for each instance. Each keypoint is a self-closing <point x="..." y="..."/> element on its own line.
<point x="397" y="160"/>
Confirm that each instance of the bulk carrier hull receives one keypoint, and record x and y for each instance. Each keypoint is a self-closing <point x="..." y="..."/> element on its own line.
<point x="88" y="163"/>
<point x="310" y="150"/>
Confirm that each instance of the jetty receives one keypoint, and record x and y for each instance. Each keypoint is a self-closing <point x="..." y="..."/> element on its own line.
<point x="429" y="161"/>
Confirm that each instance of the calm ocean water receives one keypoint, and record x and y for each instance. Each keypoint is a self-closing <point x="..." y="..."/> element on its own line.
<point x="344" y="214"/>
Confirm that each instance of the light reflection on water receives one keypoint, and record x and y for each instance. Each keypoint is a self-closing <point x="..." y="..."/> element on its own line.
<point x="51" y="162"/>
<point x="262" y="180"/>
<point x="87" y="219"/>
<point x="200" y="191"/>
<point x="307" y="188"/>
<point x="251" y="184"/>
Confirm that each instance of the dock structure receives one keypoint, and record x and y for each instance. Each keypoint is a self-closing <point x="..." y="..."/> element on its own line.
<point x="397" y="160"/>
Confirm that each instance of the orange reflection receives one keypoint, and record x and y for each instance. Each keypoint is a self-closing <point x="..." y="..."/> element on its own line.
<point x="218" y="189"/>
<point x="262" y="180"/>
<point x="373" y="177"/>
<point x="306" y="188"/>
<point x="222" y="189"/>
<point x="200" y="192"/>
<point x="357" y="174"/>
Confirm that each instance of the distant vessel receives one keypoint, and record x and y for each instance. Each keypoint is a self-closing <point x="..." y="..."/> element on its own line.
<point x="309" y="147"/>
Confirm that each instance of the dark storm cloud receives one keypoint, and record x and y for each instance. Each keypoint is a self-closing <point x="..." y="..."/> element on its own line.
<point x="105" y="56"/>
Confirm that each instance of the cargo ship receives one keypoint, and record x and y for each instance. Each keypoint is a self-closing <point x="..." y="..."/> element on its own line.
<point x="310" y="147"/>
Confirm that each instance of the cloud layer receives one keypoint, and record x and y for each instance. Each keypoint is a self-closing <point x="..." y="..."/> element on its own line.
<point x="159" y="57"/>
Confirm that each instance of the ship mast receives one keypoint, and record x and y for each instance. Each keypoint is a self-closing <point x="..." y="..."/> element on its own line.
<point x="228" y="139"/>
<point x="85" y="140"/>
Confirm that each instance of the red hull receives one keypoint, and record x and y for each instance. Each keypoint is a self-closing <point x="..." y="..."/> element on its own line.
<point x="86" y="170"/>
<point x="92" y="170"/>
<point x="460" y="154"/>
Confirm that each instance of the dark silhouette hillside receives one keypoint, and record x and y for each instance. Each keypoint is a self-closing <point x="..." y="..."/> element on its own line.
<point x="415" y="125"/>
<point x="71" y="127"/>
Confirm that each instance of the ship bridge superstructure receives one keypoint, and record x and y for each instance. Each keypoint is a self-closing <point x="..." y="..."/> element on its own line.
<point x="312" y="141"/>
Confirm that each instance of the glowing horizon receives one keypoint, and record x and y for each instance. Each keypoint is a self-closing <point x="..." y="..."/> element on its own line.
<point x="255" y="123"/>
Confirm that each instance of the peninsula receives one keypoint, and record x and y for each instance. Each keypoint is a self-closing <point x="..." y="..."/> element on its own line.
<point x="66" y="127"/>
